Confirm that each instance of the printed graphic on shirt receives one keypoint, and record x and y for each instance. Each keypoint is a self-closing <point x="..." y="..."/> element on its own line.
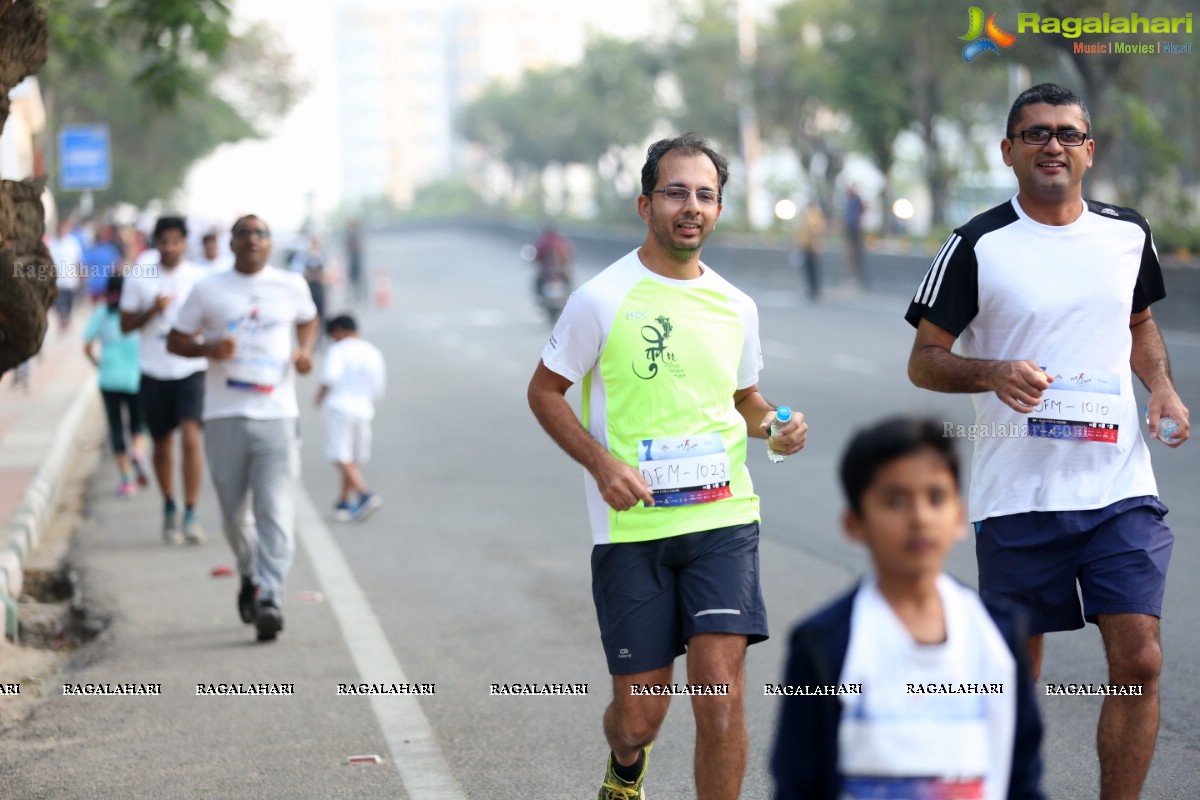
<point x="262" y="352"/>
<point x="656" y="337"/>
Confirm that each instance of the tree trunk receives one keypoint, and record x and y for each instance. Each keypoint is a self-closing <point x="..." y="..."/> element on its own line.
<point x="27" y="277"/>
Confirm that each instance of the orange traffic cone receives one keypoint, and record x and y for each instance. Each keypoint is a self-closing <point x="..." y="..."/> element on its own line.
<point x="383" y="289"/>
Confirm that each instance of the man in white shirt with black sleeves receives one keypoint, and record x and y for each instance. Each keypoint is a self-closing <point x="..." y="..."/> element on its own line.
<point x="1049" y="297"/>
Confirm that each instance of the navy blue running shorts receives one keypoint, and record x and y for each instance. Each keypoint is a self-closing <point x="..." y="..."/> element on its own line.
<point x="167" y="402"/>
<point x="1118" y="555"/>
<point x="652" y="597"/>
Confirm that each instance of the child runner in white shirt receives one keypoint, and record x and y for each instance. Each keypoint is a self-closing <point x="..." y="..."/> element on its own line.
<point x="907" y="686"/>
<point x="352" y="382"/>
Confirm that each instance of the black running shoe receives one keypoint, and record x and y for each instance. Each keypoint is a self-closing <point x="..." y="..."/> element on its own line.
<point x="269" y="621"/>
<point x="246" y="598"/>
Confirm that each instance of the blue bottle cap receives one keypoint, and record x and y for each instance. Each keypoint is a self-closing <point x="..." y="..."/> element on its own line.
<point x="783" y="413"/>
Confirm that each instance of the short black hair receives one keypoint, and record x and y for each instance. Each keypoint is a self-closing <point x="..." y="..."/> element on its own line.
<point x="237" y="224"/>
<point x="1050" y="94"/>
<point x="871" y="448"/>
<point x="689" y="144"/>
<point x="343" y="322"/>
<point x="165" y="224"/>
<point x="115" y="282"/>
<point x="211" y="236"/>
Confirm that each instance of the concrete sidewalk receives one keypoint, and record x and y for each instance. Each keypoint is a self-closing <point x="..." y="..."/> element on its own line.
<point x="42" y="428"/>
<point x="169" y="625"/>
<point x="163" y="624"/>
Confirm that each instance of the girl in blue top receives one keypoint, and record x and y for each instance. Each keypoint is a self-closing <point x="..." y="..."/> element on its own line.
<point x="120" y="378"/>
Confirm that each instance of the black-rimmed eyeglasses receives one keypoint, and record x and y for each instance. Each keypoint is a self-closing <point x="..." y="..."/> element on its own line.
<point x="257" y="233"/>
<point x="1040" y="136"/>
<point x="678" y="194"/>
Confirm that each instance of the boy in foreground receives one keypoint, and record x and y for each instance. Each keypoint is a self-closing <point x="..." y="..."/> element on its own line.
<point x="932" y="691"/>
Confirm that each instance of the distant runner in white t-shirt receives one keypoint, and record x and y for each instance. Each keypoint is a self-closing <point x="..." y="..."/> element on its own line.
<point x="352" y="382"/>
<point x="172" y="388"/>
<point x="246" y="316"/>
<point x="213" y="258"/>
<point x="1048" y="296"/>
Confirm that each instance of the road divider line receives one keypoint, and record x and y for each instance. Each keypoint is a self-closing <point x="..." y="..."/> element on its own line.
<point x="415" y="751"/>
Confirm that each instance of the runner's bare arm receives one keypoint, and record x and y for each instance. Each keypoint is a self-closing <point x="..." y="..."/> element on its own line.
<point x="306" y="337"/>
<point x="931" y="365"/>
<point x="620" y="485"/>
<point x="1149" y="361"/>
<point x="759" y="414"/>
<point x="131" y="321"/>
<point x="181" y="344"/>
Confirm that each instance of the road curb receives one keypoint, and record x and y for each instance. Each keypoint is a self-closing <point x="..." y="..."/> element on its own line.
<point x="23" y="531"/>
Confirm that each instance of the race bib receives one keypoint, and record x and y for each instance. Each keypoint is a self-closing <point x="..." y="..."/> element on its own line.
<point x="871" y="788"/>
<point x="261" y="356"/>
<point x="1078" y="405"/>
<point x="686" y="470"/>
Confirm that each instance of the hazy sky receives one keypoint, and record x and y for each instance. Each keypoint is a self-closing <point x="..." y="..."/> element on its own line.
<point x="275" y="177"/>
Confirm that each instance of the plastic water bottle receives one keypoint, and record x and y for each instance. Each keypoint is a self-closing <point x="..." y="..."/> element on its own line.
<point x="1167" y="428"/>
<point x="783" y="415"/>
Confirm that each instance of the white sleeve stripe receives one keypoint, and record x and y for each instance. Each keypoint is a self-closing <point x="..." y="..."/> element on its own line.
<point x="944" y="261"/>
<point x="932" y="267"/>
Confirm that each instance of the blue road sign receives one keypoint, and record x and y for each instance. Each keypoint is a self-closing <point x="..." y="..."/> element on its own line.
<point x="83" y="158"/>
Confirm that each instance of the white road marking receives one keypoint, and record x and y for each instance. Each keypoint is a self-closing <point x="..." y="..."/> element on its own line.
<point x="415" y="751"/>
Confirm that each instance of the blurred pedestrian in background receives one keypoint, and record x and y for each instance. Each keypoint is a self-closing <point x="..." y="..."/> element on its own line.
<point x="810" y="234"/>
<point x="246" y="316"/>
<point x="212" y="258"/>
<point x="852" y="224"/>
<point x="120" y="378"/>
<point x="311" y="264"/>
<point x="354" y="262"/>
<point x="67" y="254"/>
<point x="352" y="382"/>
<point x="172" y="388"/>
<point x="101" y="258"/>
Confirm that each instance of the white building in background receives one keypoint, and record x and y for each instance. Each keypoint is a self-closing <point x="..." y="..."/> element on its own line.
<point x="405" y="69"/>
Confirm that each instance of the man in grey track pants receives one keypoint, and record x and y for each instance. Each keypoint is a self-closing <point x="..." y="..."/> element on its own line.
<point x="242" y="321"/>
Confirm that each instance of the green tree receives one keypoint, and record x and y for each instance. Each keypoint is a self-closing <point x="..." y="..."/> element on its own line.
<point x="794" y="84"/>
<point x="169" y="78"/>
<point x="879" y="107"/>
<point x="705" y="65"/>
<point x="567" y="115"/>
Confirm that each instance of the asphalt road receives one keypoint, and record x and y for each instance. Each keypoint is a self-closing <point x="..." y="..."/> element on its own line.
<point x="478" y="567"/>
<point x="476" y="572"/>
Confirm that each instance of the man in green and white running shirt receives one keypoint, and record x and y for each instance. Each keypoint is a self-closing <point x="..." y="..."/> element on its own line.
<point x="669" y="354"/>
